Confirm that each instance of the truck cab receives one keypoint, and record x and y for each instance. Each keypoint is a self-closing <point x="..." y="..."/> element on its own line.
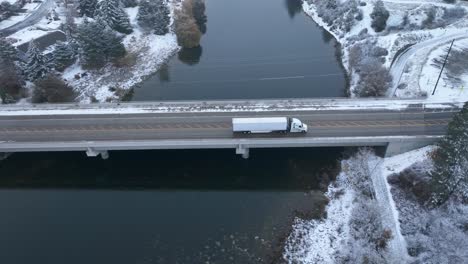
<point x="297" y="126"/>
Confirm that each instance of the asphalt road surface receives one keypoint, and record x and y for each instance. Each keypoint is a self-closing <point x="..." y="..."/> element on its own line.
<point x="32" y="19"/>
<point x="127" y="127"/>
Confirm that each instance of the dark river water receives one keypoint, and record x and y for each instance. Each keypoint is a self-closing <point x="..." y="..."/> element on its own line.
<point x="186" y="206"/>
<point x="252" y="49"/>
<point x="158" y="206"/>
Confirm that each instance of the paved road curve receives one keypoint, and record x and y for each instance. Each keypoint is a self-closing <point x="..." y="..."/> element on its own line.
<point x="32" y="19"/>
<point x="399" y="65"/>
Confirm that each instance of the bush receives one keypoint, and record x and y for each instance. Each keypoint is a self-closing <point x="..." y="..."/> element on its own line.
<point x="379" y="16"/>
<point x="11" y="82"/>
<point x="340" y="14"/>
<point x="198" y="11"/>
<point x="374" y="81"/>
<point x="52" y="89"/>
<point x="127" y="61"/>
<point x="187" y="31"/>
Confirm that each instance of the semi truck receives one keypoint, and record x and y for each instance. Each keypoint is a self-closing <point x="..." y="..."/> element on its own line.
<point x="268" y="125"/>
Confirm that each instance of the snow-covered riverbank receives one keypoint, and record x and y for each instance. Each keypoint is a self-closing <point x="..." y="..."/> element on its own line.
<point x="359" y="224"/>
<point x="147" y="53"/>
<point x="408" y="24"/>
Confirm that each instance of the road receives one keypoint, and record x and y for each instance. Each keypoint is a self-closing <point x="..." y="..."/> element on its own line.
<point x="398" y="67"/>
<point x="189" y="126"/>
<point x="32" y="19"/>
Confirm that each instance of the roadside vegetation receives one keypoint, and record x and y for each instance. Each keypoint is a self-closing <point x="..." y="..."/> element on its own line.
<point x="432" y="199"/>
<point x="353" y="229"/>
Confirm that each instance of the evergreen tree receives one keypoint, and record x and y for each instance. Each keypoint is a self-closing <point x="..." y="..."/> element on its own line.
<point x="35" y="67"/>
<point x="98" y="43"/>
<point x="379" y="16"/>
<point x="52" y="89"/>
<point x="87" y="7"/>
<point x="112" y="12"/>
<point x="154" y="15"/>
<point x="11" y="82"/>
<point x="450" y="174"/>
<point x="129" y="3"/>
<point x="7" y="51"/>
<point x="63" y="56"/>
<point x="198" y="9"/>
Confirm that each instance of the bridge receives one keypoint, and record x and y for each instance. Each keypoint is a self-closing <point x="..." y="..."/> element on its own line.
<point x="399" y="125"/>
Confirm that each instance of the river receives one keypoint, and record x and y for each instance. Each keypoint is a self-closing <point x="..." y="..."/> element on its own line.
<point x="157" y="206"/>
<point x="198" y="206"/>
<point x="252" y="49"/>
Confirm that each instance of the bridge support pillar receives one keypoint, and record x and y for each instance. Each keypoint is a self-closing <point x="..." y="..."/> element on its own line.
<point x="402" y="146"/>
<point x="241" y="150"/>
<point x="90" y="152"/>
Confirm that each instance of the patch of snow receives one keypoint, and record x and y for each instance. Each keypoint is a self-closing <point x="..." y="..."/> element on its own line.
<point x="29" y="8"/>
<point x="388" y="211"/>
<point x="223" y="106"/>
<point x="317" y="241"/>
<point x="446" y="88"/>
<point x="399" y="163"/>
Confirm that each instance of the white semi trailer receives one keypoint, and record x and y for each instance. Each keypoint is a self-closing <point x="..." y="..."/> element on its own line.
<point x="268" y="125"/>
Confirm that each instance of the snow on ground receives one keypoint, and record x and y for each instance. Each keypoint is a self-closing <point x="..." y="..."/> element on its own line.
<point x="395" y="39"/>
<point x="397" y="245"/>
<point x="150" y="50"/>
<point x="331" y="240"/>
<point x="317" y="241"/>
<point x="398" y="163"/>
<point x="227" y="106"/>
<point x="44" y="27"/>
<point x="29" y="8"/>
<point x="433" y="235"/>
<point x="446" y="88"/>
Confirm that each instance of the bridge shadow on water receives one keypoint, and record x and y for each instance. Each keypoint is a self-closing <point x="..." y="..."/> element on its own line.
<point x="283" y="170"/>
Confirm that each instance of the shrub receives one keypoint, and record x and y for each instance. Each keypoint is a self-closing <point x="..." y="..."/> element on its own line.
<point x="187" y="31"/>
<point x="11" y="82"/>
<point x="52" y="89"/>
<point x="379" y="16"/>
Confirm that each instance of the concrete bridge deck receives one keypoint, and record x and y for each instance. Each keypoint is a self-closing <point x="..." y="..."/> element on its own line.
<point x="399" y="124"/>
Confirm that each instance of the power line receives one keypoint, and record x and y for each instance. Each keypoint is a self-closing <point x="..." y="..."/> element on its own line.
<point x="443" y="66"/>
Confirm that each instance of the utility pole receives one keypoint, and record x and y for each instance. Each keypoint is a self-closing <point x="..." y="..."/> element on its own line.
<point x="443" y="66"/>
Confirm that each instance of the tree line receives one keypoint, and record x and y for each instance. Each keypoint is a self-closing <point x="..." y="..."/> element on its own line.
<point x="94" y="43"/>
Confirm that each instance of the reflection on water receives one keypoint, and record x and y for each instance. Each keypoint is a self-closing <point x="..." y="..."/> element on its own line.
<point x="254" y="49"/>
<point x="190" y="56"/>
<point x="294" y="7"/>
<point x="158" y="206"/>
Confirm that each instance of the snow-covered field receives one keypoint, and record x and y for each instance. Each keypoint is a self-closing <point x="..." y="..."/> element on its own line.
<point x="447" y="87"/>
